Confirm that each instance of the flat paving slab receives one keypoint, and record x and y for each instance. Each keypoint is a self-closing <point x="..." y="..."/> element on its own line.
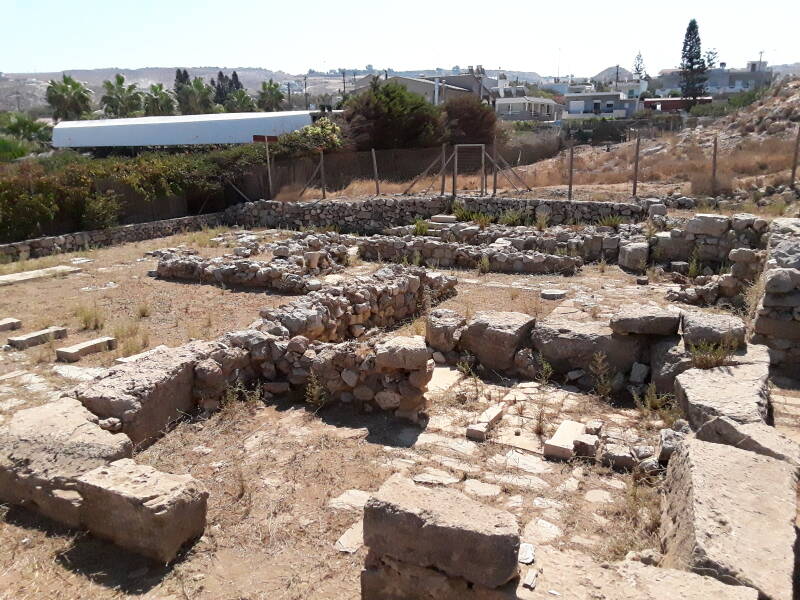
<point x="36" y="338"/>
<point x="10" y="324"/>
<point x="37" y="274"/>
<point x="78" y="351"/>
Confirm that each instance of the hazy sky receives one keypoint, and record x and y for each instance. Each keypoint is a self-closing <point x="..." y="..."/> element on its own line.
<point x="571" y="36"/>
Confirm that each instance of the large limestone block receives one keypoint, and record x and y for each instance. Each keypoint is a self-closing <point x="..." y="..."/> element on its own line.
<point x="645" y="319"/>
<point x="643" y="582"/>
<point x="668" y="359"/>
<point x="708" y="224"/>
<point x="714" y="328"/>
<point x="147" y="395"/>
<point x="403" y="353"/>
<point x="143" y="510"/>
<point x="43" y="450"/>
<point x="494" y="337"/>
<point x="755" y="437"/>
<point x="569" y="344"/>
<point x="729" y="514"/>
<point x="36" y="338"/>
<point x="443" y="529"/>
<point x="739" y="392"/>
<point x="443" y="329"/>
<point x="634" y="256"/>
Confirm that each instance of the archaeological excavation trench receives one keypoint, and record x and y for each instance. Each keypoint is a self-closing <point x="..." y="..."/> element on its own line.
<point x="701" y="313"/>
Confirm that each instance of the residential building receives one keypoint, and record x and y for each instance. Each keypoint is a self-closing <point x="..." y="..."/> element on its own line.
<point x="673" y="104"/>
<point x="528" y="108"/>
<point x="595" y="105"/>
<point x="435" y="91"/>
<point x="632" y="88"/>
<point x="567" y="85"/>
<point x="720" y="81"/>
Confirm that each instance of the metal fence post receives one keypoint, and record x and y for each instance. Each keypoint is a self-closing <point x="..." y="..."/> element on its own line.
<point x="455" y="170"/>
<point x="322" y="172"/>
<point x="571" y="164"/>
<point x="444" y="162"/>
<point x="636" y="163"/>
<point x="483" y="169"/>
<point x="714" y="169"/>
<point x="375" y="173"/>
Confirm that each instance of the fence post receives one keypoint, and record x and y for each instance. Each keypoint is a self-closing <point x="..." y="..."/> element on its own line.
<point x="636" y="163"/>
<point x="375" y="173"/>
<point x="794" y="162"/>
<point x="483" y="169"/>
<point x="714" y="169"/>
<point x="322" y="172"/>
<point x="571" y="164"/>
<point x="455" y="170"/>
<point x="494" y="167"/>
<point x="269" y="170"/>
<point x="444" y="162"/>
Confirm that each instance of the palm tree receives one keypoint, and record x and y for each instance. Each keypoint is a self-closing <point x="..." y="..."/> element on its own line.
<point x="270" y="96"/>
<point x="26" y="128"/>
<point x="120" y="100"/>
<point x="196" y="98"/>
<point x="69" y="98"/>
<point x="239" y="101"/>
<point x="158" y="102"/>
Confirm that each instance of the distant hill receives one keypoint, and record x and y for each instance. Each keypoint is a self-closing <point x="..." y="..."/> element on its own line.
<point x="792" y="69"/>
<point x="610" y="74"/>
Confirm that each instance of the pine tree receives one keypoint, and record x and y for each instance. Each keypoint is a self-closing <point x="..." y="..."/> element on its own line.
<point x="638" y="66"/>
<point x="693" y="65"/>
<point x="235" y="83"/>
<point x="181" y="79"/>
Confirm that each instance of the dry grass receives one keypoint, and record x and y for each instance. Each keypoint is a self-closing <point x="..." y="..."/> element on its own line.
<point x="90" y="317"/>
<point x="202" y="237"/>
<point x="131" y="338"/>
<point x="636" y="521"/>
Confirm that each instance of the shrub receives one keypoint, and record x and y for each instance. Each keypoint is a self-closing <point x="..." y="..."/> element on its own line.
<point x="11" y="148"/>
<point x="101" y="211"/>
<point x="482" y="220"/>
<point x="707" y="355"/>
<point x="461" y="213"/>
<point x="469" y="121"/>
<point x="483" y="264"/>
<point x="602" y="375"/>
<point x="510" y="217"/>
<point x="421" y="227"/>
<point x="610" y="221"/>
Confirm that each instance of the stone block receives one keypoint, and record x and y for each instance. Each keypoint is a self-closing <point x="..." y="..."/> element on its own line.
<point x="586" y="445"/>
<point x="77" y="351"/>
<point x="141" y="509"/>
<point x="442" y="529"/>
<point x="494" y="337"/>
<point x="561" y="445"/>
<point x="404" y="353"/>
<point x="713" y="328"/>
<point x="634" y="256"/>
<point x="617" y="456"/>
<point x="754" y="437"/>
<point x="35" y="338"/>
<point x="645" y="319"/>
<point x="729" y="514"/>
<point x="10" y="324"/>
<point x="43" y="450"/>
<point x="708" y="224"/>
<point x="739" y="392"/>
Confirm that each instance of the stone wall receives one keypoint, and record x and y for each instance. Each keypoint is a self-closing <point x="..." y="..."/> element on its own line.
<point x="500" y="256"/>
<point x="558" y="212"/>
<point x="777" y="322"/>
<point x="74" y="242"/>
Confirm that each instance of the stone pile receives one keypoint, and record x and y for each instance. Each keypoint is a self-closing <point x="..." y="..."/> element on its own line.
<point x="500" y="256"/>
<point x="777" y="322"/>
<point x="294" y="266"/>
<point x="345" y="311"/>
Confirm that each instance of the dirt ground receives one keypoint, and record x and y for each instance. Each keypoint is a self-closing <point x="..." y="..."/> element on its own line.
<point x="274" y="469"/>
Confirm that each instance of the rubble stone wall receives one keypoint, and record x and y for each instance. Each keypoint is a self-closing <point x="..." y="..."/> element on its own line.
<point x="558" y="212"/>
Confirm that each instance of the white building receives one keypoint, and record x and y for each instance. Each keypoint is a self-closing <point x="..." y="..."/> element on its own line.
<point x="528" y="108"/>
<point x="184" y="130"/>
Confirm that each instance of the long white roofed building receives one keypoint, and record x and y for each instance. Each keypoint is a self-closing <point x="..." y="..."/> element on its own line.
<point x="184" y="130"/>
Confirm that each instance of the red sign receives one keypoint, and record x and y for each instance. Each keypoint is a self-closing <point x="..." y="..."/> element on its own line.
<point x="265" y="138"/>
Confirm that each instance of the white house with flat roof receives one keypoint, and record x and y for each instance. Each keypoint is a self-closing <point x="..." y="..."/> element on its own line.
<point x="528" y="108"/>
<point x="598" y="105"/>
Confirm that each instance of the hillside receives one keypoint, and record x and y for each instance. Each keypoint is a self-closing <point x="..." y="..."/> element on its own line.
<point x="610" y="74"/>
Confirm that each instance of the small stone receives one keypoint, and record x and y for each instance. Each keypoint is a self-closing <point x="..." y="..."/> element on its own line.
<point x="527" y="554"/>
<point x="553" y="294"/>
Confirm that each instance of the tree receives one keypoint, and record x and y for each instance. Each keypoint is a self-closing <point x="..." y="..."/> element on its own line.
<point x="469" y="121"/>
<point x="270" y="96"/>
<point x="120" y="100"/>
<point x="638" y="66"/>
<point x="196" y="98"/>
<point x="711" y="56"/>
<point x="158" y="102"/>
<point x="239" y="101"/>
<point x="69" y="98"/>
<point x="23" y="127"/>
<point x="693" y="66"/>
<point x="387" y="115"/>
<point x="181" y="79"/>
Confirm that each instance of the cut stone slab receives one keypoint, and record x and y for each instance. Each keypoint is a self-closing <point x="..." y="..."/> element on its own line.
<point x="617" y="456"/>
<point x="147" y="395"/>
<point x="553" y="294"/>
<point x="586" y="445"/>
<point x="739" y="392"/>
<point x="561" y="445"/>
<point x="729" y="513"/>
<point x="77" y="351"/>
<point x="713" y="328"/>
<point x="37" y="274"/>
<point x="350" y="500"/>
<point x="433" y="476"/>
<point x="352" y="539"/>
<point x="540" y="531"/>
<point x="407" y="353"/>
<point x="476" y="487"/>
<point x="134" y="357"/>
<point x="478" y="431"/>
<point x="43" y="450"/>
<point x="485" y="422"/>
<point x="36" y="338"/>
<point x="443" y="379"/>
<point x="443" y="219"/>
<point x="141" y="509"/>
<point x="634" y="256"/>
<point x="645" y="319"/>
<point x="78" y="373"/>
<point x="754" y="437"/>
<point x="443" y="529"/>
<point x="521" y="460"/>
<point x="10" y="324"/>
<point x="494" y="337"/>
<point x="708" y="224"/>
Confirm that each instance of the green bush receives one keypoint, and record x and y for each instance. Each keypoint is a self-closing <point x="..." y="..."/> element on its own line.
<point x="709" y="110"/>
<point x="101" y="211"/>
<point x="11" y="148"/>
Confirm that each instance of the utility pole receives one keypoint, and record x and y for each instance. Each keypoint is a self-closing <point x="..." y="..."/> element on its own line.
<point x="344" y="83"/>
<point x="289" y="89"/>
<point x="305" y="89"/>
